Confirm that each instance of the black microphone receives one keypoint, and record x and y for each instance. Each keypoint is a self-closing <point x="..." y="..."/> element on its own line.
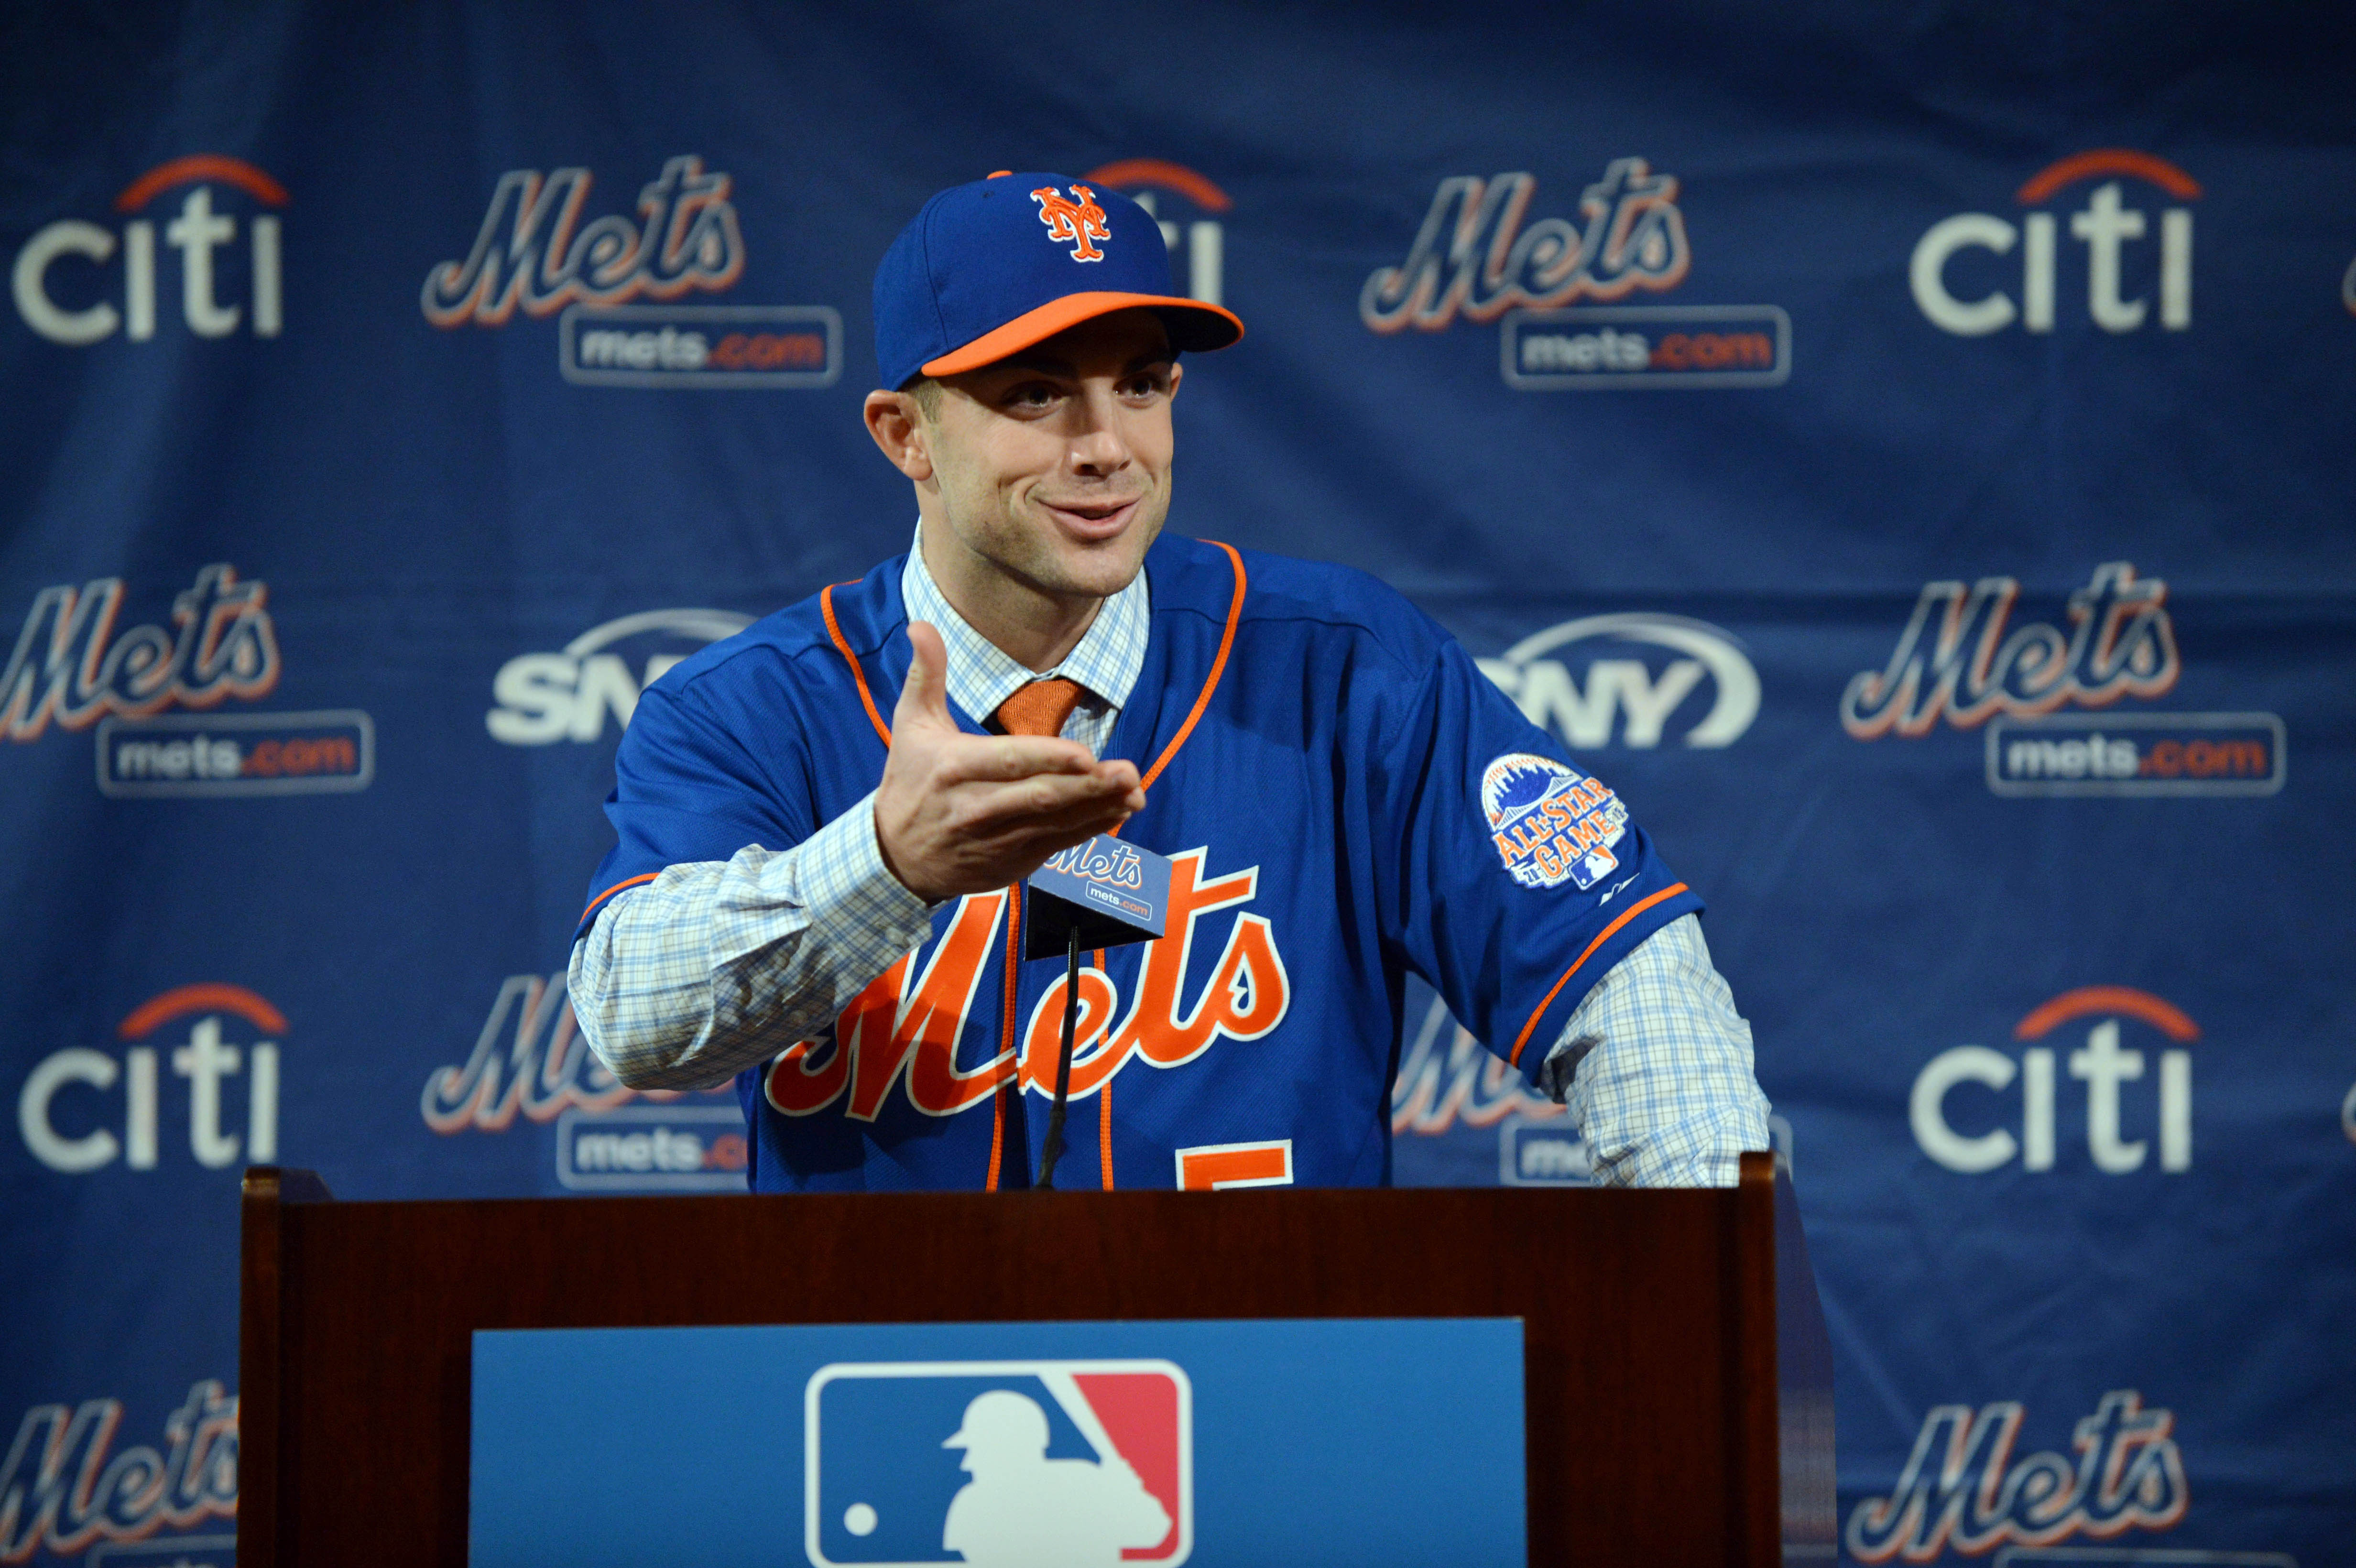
<point x="1103" y="893"/>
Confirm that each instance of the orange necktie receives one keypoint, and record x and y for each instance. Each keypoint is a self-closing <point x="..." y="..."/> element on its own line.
<point x="1039" y="708"/>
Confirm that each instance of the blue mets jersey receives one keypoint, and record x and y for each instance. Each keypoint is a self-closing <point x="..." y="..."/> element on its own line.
<point x="1343" y="797"/>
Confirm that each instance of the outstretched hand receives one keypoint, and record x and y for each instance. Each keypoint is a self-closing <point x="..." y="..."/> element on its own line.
<point x="965" y="813"/>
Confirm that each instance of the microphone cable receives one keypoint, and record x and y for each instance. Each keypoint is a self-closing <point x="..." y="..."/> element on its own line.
<point x="1052" y="1149"/>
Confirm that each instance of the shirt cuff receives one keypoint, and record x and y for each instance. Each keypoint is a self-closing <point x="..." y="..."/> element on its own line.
<point x="838" y="874"/>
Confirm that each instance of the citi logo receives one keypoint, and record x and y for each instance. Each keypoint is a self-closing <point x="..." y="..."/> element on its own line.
<point x="1965" y="295"/>
<point x="69" y="291"/>
<point x="1959" y="658"/>
<point x="62" y="1491"/>
<point x="70" y="666"/>
<point x="533" y="253"/>
<point x="1962" y="1490"/>
<point x="69" y="1105"/>
<point x="1956" y="1093"/>
<point x="1706" y="690"/>
<point x="1192" y="228"/>
<point x="1474" y="257"/>
<point x="568" y="696"/>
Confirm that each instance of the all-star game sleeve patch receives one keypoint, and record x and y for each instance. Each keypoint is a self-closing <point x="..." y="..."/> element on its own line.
<point x="1551" y="824"/>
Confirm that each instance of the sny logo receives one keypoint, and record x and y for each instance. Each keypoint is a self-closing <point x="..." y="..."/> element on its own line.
<point x="2101" y="1064"/>
<point x="1626" y="688"/>
<point x="529" y="254"/>
<point x="60" y="1492"/>
<point x="2105" y="224"/>
<point x="1955" y="656"/>
<point x="1015" y="1464"/>
<point x="1962" y="1490"/>
<point x="1077" y="223"/>
<point x="205" y="1060"/>
<point x="1551" y="824"/>
<point x="69" y="666"/>
<point x="546" y="698"/>
<point x="196" y="233"/>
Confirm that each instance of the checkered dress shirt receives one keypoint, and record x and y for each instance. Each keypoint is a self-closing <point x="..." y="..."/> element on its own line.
<point x="717" y="965"/>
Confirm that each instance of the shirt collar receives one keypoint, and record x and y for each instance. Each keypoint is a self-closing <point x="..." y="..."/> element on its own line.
<point x="1106" y="662"/>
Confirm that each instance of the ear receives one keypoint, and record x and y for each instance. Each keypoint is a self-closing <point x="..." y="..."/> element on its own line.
<point x="1177" y="374"/>
<point x="900" y="434"/>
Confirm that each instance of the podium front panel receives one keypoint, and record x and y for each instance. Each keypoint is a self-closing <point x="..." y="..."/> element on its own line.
<point x="1650" y="1380"/>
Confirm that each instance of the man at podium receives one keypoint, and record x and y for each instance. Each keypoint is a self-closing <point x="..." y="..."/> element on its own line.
<point x="824" y="821"/>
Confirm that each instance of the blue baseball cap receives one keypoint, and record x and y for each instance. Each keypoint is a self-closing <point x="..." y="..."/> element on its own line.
<point x="988" y="269"/>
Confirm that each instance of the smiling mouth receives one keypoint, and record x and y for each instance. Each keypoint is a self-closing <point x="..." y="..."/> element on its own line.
<point x="1097" y="518"/>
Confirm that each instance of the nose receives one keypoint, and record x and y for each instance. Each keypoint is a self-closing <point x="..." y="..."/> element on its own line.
<point x="1099" y="446"/>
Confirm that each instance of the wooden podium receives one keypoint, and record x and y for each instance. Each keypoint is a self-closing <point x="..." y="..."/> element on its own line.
<point x="1679" y="1382"/>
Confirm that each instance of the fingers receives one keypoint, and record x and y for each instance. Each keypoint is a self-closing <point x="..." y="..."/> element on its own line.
<point x="998" y="759"/>
<point x="925" y="695"/>
<point x="1021" y="847"/>
<point x="1052" y="798"/>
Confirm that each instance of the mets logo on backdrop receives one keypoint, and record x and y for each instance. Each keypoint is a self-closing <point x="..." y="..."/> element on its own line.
<point x="1961" y="659"/>
<point x="65" y="1489"/>
<point x="532" y="1060"/>
<point x="74" y="665"/>
<point x="1963" y="1490"/>
<point x="1551" y="823"/>
<point x="1474" y="257"/>
<point x="1018" y="1463"/>
<point x="533" y="253"/>
<point x="1074" y="222"/>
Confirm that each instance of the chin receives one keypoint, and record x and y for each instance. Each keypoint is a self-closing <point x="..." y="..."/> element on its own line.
<point x="1104" y="566"/>
<point x="1099" y="577"/>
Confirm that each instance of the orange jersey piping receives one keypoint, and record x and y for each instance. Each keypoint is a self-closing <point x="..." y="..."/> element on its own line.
<point x="1104" y="1107"/>
<point x="1630" y="913"/>
<point x="617" y="886"/>
<point x="1218" y="668"/>
<point x="843" y="647"/>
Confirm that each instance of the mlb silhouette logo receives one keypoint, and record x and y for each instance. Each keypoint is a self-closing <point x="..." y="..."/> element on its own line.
<point x="1035" y="1463"/>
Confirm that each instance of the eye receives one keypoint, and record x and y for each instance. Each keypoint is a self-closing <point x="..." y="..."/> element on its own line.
<point x="1032" y="397"/>
<point x="1147" y="385"/>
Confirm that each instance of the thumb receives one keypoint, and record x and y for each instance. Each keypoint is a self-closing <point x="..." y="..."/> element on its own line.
<point x="925" y="695"/>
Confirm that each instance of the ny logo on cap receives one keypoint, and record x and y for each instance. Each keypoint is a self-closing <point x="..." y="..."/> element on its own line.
<point x="1073" y="224"/>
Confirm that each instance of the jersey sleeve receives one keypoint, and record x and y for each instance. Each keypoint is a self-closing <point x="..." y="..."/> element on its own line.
<point x="687" y="790"/>
<point x="1521" y="879"/>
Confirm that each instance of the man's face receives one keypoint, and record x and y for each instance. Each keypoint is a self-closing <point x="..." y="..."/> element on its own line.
<point x="1052" y="466"/>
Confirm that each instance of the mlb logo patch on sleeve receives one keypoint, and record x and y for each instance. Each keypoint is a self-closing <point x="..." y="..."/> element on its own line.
<point x="1043" y="1464"/>
<point x="1551" y="824"/>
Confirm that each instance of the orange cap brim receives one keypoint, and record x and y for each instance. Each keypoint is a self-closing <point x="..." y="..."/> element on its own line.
<point x="1202" y="327"/>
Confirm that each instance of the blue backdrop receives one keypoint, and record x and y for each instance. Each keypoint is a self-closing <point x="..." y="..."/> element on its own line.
<point x="1904" y="451"/>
